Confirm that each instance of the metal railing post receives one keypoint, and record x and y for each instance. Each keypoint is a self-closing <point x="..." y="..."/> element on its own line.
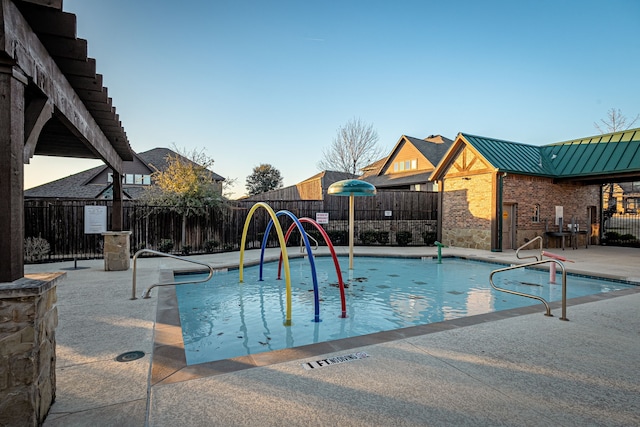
<point x="147" y="291"/>
<point x="522" y="294"/>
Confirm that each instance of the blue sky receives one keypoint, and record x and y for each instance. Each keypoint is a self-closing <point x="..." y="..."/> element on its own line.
<point x="255" y="82"/>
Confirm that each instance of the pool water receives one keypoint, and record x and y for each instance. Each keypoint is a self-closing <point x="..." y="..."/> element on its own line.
<point x="223" y="318"/>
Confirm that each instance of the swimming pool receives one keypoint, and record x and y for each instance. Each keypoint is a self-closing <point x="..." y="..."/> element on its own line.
<point x="222" y="318"/>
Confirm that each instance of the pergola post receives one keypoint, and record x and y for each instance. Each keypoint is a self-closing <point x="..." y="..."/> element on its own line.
<point x="116" y="211"/>
<point x="12" y="87"/>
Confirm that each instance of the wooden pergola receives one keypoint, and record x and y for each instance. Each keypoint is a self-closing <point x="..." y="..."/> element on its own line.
<point x="52" y="103"/>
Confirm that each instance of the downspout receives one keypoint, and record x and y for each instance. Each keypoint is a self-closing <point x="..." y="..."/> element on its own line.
<point x="600" y="215"/>
<point x="499" y="212"/>
<point x="439" y="213"/>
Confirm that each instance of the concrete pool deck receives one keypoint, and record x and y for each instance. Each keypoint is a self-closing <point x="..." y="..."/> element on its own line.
<point x="515" y="368"/>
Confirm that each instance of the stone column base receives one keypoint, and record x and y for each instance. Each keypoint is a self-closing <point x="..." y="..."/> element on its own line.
<point x="28" y="319"/>
<point x="117" y="255"/>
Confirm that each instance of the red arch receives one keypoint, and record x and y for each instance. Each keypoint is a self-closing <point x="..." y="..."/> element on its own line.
<point x="333" y="254"/>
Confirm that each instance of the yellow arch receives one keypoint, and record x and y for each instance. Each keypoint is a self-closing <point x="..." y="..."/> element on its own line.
<point x="283" y="249"/>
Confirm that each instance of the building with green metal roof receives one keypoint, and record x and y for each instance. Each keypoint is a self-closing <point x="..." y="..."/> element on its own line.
<point x="498" y="194"/>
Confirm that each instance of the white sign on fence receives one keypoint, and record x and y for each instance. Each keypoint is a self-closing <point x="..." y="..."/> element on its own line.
<point x="322" y="217"/>
<point x="95" y="219"/>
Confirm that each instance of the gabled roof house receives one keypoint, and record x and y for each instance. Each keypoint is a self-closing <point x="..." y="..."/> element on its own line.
<point x="500" y="194"/>
<point x="409" y="164"/>
<point x="97" y="183"/>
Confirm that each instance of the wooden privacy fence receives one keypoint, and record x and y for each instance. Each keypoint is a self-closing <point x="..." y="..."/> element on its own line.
<point x="405" y="218"/>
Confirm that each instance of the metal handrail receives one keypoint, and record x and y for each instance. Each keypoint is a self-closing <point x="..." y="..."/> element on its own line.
<point x="146" y="293"/>
<point x="564" y="285"/>
<point x="302" y="247"/>
<point x="527" y="244"/>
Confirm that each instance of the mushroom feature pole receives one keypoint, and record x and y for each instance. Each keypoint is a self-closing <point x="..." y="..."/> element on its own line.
<point x="351" y="188"/>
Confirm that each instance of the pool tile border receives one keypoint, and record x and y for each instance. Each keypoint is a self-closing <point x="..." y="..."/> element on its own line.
<point x="169" y="365"/>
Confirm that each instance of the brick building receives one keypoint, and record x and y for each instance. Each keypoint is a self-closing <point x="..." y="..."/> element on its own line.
<point x="497" y="195"/>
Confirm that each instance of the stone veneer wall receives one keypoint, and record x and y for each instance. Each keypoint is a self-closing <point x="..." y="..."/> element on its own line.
<point x="28" y="319"/>
<point x="466" y="211"/>
<point x="117" y="250"/>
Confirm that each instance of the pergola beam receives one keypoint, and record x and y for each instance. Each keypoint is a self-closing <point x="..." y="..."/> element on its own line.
<point x="36" y="115"/>
<point x="23" y="46"/>
<point x="56" y="4"/>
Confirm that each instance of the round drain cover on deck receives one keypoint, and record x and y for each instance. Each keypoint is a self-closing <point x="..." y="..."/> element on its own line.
<point x="130" y="356"/>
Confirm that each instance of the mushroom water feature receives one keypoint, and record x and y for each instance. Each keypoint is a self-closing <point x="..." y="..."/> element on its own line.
<point x="351" y="188"/>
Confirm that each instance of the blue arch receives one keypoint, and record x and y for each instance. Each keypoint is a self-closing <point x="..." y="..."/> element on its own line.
<point x="316" y="292"/>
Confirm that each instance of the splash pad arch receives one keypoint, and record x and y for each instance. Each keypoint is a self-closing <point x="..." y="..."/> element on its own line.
<point x="284" y="256"/>
<point x="327" y="240"/>
<point x="283" y="249"/>
<point x="296" y="223"/>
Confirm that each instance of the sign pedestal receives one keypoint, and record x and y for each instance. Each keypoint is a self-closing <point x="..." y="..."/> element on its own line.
<point x="117" y="250"/>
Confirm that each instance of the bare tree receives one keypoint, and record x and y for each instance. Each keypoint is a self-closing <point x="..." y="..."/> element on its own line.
<point x="354" y="147"/>
<point x="616" y="121"/>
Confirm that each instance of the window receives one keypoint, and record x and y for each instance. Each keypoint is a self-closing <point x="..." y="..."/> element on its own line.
<point x="405" y="165"/>
<point x="536" y="213"/>
<point x="138" y="179"/>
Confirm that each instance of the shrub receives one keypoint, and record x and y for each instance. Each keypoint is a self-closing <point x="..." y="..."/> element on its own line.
<point x="403" y="238"/>
<point x="338" y="237"/>
<point x="368" y="237"/>
<point x="136" y="248"/>
<point x="210" y="246"/>
<point x="612" y="235"/>
<point x="311" y="234"/>
<point x="429" y="237"/>
<point x="382" y="237"/>
<point x="186" y="250"/>
<point x="165" y="245"/>
<point x="35" y="249"/>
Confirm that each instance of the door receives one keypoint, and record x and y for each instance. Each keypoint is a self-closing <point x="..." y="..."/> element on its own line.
<point x="508" y="226"/>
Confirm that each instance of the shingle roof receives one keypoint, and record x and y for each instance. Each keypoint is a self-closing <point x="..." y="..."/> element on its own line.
<point x="433" y="147"/>
<point x="77" y="186"/>
<point x="398" y="179"/>
<point x="374" y="168"/>
<point x="73" y="186"/>
<point x="329" y="177"/>
<point x="157" y="159"/>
